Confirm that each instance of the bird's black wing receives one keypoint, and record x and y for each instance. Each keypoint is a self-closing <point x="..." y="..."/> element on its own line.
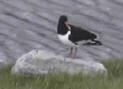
<point x="79" y="34"/>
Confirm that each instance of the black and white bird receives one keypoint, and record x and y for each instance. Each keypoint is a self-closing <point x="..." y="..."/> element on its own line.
<point x="71" y="35"/>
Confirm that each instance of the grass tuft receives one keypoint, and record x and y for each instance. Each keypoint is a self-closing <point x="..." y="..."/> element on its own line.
<point x="114" y="79"/>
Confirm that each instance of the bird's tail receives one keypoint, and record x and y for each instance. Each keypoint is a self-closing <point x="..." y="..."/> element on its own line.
<point x="93" y="43"/>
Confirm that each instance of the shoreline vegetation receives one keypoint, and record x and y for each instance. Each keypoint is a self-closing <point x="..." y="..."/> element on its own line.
<point x="113" y="80"/>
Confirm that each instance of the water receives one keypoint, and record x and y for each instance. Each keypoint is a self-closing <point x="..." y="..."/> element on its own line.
<point x="31" y="24"/>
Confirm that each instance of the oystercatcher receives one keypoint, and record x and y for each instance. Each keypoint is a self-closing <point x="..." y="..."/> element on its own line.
<point x="71" y="35"/>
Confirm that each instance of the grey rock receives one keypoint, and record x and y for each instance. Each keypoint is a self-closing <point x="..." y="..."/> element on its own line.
<point x="43" y="62"/>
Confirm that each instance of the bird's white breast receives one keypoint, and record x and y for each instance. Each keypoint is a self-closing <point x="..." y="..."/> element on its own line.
<point x="65" y="39"/>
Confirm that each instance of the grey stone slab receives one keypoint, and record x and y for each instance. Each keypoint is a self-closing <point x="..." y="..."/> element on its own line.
<point x="43" y="62"/>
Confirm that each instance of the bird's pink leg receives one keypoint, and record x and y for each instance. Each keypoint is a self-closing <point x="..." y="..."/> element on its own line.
<point x="71" y="52"/>
<point x="74" y="53"/>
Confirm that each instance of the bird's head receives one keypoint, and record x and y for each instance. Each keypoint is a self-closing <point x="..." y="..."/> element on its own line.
<point x="62" y="26"/>
<point x="63" y="19"/>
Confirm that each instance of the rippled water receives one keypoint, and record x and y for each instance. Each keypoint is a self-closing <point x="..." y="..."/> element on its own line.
<point x="30" y="24"/>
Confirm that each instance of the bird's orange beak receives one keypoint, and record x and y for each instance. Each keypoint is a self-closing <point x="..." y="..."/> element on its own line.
<point x="68" y="26"/>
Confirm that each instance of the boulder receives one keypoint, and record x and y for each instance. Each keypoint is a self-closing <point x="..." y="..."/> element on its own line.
<point x="43" y="62"/>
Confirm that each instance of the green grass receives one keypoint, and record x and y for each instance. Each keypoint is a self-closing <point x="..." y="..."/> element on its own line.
<point x="114" y="80"/>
